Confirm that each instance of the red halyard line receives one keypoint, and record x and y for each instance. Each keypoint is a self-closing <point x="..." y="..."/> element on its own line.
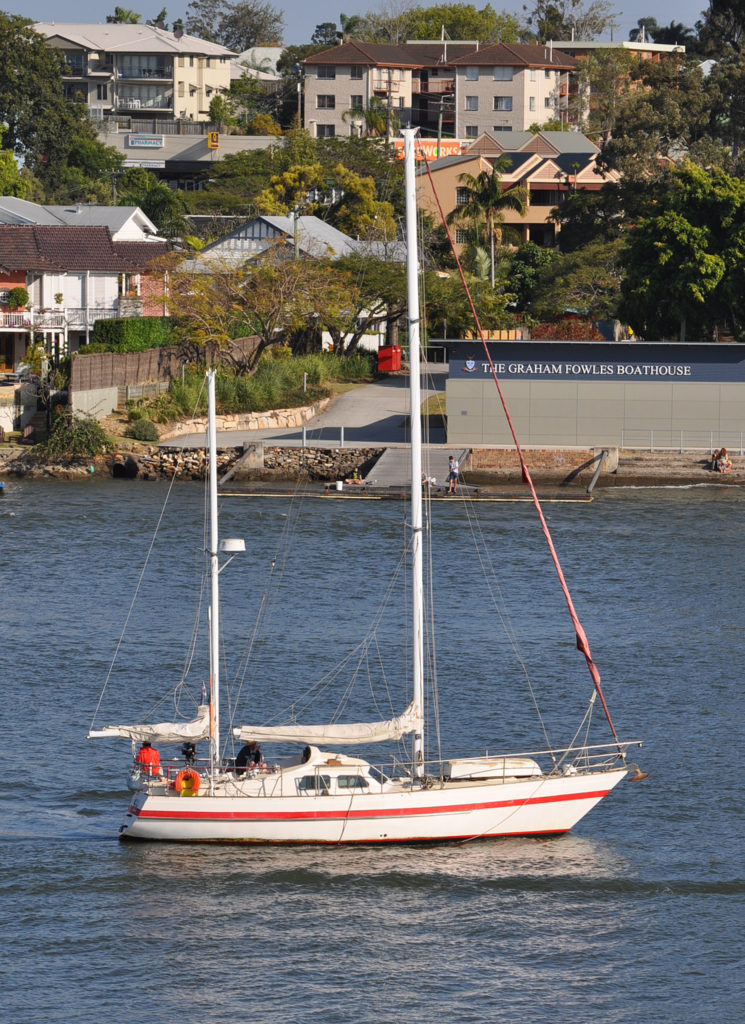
<point x="352" y="815"/>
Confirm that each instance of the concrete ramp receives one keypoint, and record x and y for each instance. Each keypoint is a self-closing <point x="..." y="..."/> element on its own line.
<point x="392" y="468"/>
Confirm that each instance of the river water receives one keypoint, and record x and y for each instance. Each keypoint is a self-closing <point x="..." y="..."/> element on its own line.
<point x="636" y="916"/>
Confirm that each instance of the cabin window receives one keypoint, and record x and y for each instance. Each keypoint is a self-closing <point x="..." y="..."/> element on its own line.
<point x="472" y="131"/>
<point x="503" y="74"/>
<point x="351" y="782"/>
<point x="531" y="103"/>
<point x="325" y="131"/>
<point x="503" y="103"/>
<point x="326" y="102"/>
<point x="314" y="784"/>
<point x="326" y="71"/>
<point x="462" y="196"/>
<point x="472" y="103"/>
<point x="356" y="72"/>
<point x="472" y="74"/>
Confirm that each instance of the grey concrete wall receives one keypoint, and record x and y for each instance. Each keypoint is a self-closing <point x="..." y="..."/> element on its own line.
<point x="628" y="413"/>
<point x="98" y="402"/>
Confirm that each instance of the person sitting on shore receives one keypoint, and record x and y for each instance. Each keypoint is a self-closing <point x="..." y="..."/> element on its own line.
<point x="355" y="478"/>
<point x="724" y="465"/>
<point x="714" y="460"/>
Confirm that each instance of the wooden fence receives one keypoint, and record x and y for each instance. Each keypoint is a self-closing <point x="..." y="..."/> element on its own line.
<point x="114" y="369"/>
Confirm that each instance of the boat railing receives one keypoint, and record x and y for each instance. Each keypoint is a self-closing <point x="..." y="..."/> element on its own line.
<point x="563" y="760"/>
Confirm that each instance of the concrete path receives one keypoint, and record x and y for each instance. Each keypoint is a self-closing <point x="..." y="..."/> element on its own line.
<point x="374" y="415"/>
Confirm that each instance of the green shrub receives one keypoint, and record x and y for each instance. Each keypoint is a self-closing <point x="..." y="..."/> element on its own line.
<point x="17" y="297"/>
<point x="142" y="430"/>
<point x="131" y="334"/>
<point x="74" y="437"/>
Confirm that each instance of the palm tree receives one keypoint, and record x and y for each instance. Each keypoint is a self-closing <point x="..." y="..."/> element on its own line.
<point x="379" y="120"/>
<point x="485" y="202"/>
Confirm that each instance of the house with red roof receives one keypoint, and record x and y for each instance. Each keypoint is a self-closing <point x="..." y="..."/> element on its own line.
<point x="73" y="277"/>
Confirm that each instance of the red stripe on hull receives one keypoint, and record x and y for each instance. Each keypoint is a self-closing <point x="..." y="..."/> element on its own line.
<point x="343" y="816"/>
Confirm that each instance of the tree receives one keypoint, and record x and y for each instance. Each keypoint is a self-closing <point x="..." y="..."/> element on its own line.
<point x="586" y="281"/>
<point x="568" y="19"/>
<point x="664" y="116"/>
<point x="484" y="204"/>
<point x="603" y="78"/>
<point x="380" y="120"/>
<point x="123" y="16"/>
<point x="683" y="261"/>
<point x="239" y="26"/>
<point x="463" y="21"/>
<point x="41" y="125"/>
<point x="724" y="87"/>
<point x="160" y="20"/>
<point x="12" y="181"/>
<point x="379" y="299"/>
<point x="524" y="271"/>
<point x="324" y="35"/>
<point x="157" y="201"/>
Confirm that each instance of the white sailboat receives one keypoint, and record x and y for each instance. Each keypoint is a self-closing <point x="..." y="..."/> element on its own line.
<point x="325" y="795"/>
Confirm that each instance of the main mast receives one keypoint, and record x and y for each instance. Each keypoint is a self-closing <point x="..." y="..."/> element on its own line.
<point x="214" y="578"/>
<point x="412" y="279"/>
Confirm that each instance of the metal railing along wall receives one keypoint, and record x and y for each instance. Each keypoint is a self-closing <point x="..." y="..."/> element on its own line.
<point x="683" y="440"/>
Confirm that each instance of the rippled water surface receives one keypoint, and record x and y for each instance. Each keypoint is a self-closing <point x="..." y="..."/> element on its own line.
<point x="636" y="916"/>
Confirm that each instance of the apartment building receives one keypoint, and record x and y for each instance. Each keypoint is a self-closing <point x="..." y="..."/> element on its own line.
<point x="457" y="89"/>
<point x="549" y="166"/>
<point x="139" y="69"/>
<point x="503" y="88"/>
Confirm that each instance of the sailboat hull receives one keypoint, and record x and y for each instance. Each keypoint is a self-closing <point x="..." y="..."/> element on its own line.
<point x="538" y="806"/>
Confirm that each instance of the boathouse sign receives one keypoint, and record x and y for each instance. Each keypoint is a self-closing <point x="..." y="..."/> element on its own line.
<point x="599" y="361"/>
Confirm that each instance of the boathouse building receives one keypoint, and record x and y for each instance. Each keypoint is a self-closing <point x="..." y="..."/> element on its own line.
<point x="619" y="394"/>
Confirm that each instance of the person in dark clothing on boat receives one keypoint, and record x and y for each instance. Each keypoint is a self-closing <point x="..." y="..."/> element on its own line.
<point x="248" y="757"/>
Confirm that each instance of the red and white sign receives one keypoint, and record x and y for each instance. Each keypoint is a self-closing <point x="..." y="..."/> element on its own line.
<point x="447" y="147"/>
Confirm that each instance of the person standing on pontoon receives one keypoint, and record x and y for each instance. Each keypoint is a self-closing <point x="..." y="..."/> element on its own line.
<point x="453" y="471"/>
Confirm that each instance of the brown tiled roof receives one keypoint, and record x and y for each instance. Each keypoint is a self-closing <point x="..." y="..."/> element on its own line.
<point x="368" y="54"/>
<point x="62" y="248"/>
<point x="527" y="55"/>
<point x="422" y="55"/>
<point x="141" y="254"/>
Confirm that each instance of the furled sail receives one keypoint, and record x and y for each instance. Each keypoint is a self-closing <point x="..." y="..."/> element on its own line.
<point x="161" y="732"/>
<point x="333" y="735"/>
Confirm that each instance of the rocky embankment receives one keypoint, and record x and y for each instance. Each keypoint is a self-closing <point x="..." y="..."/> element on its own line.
<point x="484" y="468"/>
<point x="162" y="463"/>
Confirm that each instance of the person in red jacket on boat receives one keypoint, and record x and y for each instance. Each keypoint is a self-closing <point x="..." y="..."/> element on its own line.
<point x="148" y="759"/>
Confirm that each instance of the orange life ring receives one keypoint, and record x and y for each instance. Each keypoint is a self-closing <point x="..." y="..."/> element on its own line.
<point x="187" y="782"/>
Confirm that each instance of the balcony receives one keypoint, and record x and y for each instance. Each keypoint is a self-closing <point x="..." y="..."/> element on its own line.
<point x="16" y="321"/>
<point x="146" y="73"/>
<point x="82" y="318"/>
<point x="436" y="87"/>
<point x="162" y="102"/>
<point x="382" y="84"/>
<point x="56" y="319"/>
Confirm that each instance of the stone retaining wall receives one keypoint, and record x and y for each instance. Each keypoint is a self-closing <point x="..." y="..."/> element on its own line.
<point x="322" y="464"/>
<point x="272" y="420"/>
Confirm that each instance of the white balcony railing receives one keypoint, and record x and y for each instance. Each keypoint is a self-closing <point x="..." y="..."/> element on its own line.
<point x="56" y="319"/>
